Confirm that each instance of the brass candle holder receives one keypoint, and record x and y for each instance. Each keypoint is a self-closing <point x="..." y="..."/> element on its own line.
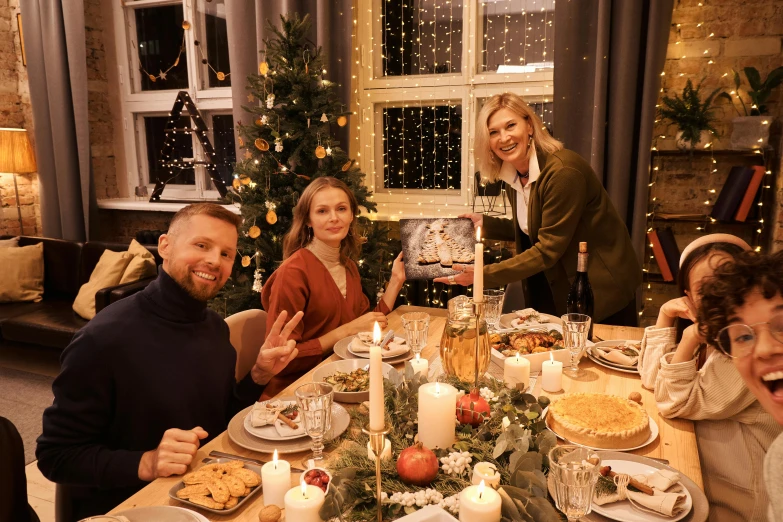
<point x="478" y="306"/>
<point x="377" y="442"/>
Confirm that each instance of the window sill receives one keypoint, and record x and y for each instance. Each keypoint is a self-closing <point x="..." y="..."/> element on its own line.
<point x="145" y="205"/>
<point x="395" y="212"/>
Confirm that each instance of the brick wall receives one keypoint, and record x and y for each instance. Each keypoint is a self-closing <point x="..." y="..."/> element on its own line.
<point x="15" y="112"/>
<point x="706" y="42"/>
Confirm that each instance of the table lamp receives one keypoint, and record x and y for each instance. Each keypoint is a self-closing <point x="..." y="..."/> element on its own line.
<point x="16" y="157"/>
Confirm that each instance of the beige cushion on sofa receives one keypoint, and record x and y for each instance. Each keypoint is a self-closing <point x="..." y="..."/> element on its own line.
<point x="11" y="242"/>
<point x="142" y="265"/>
<point x="107" y="272"/>
<point x="22" y="274"/>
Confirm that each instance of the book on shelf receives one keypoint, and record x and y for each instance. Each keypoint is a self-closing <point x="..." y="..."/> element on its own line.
<point x="685" y="216"/>
<point x="750" y="193"/>
<point x="732" y="193"/>
<point x="666" y="253"/>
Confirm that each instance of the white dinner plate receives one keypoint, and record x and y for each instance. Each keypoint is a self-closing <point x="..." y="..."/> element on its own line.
<point x="608" y="364"/>
<point x="162" y="514"/>
<point x="623" y="511"/>
<point x="268" y="432"/>
<point x="505" y="320"/>
<point x="650" y="439"/>
<point x="342" y="351"/>
<point x="366" y="355"/>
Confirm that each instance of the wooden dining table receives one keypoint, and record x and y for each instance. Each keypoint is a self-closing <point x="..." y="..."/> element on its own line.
<point x="676" y="441"/>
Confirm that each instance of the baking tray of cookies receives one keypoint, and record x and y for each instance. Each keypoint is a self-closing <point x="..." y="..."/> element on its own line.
<point x="217" y="481"/>
<point x="432" y="246"/>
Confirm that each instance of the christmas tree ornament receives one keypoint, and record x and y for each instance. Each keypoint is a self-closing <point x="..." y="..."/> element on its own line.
<point x="221" y="76"/>
<point x="259" y="122"/>
<point x="342" y="121"/>
<point x="241" y="141"/>
<point x="328" y="150"/>
<point x="253" y="232"/>
<point x="308" y="123"/>
<point x="251" y="98"/>
<point x="236" y="184"/>
<point x="347" y="165"/>
<point x="306" y="57"/>
<point x="279" y="145"/>
<point x="245" y="261"/>
<point x="153" y="79"/>
<point x="270" y="101"/>
<point x="263" y="68"/>
<point x="248" y="154"/>
<point x="324" y="117"/>
<point x="271" y="217"/>
<point x="320" y="152"/>
<point x="262" y="144"/>
<point x="257" y="287"/>
<point x="186" y="25"/>
<point x="244" y="179"/>
<point x="264" y="119"/>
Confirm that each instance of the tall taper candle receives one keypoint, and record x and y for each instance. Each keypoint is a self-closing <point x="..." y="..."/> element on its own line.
<point x="478" y="269"/>
<point x="377" y="420"/>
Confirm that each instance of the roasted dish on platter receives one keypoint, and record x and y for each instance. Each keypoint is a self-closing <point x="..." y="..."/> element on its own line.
<point x="525" y="342"/>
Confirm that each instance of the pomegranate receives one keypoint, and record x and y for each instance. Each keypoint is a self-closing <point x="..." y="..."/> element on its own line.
<point x="417" y="465"/>
<point x="472" y="409"/>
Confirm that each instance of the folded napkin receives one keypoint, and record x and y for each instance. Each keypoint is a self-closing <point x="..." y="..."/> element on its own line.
<point x="396" y="347"/>
<point x="263" y="414"/>
<point x="661" y="480"/>
<point x="669" y="502"/>
<point x="526" y="316"/>
<point x="284" y="430"/>
<point x="616" y="356"/>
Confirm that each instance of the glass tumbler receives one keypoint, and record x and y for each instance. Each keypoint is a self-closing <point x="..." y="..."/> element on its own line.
<point x="574" y="471"/>
<point x="315" y="403"/>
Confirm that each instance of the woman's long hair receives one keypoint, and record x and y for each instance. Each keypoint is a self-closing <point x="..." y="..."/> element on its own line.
<point x="300" y="234"/>
<point x="488" y="163"/>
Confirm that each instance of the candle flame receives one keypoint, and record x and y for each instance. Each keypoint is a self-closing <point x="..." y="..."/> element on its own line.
<point x="551" y="356"/>
<point x="437" y="388"/>
<point x="478" y="233"/>
<point x="274" y="459"/>
<point x="481" y="488"/>
<point x="303" y="484"/>
<point x="376" y="334"/>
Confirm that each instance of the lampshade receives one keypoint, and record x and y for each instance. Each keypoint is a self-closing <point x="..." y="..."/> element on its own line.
<point x="16" y="152"/>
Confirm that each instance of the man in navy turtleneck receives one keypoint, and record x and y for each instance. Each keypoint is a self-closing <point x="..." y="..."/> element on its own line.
<point x="151" y="377"/>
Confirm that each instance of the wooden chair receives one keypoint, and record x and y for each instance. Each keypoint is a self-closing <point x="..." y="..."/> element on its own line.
<point x="248" y="331"/>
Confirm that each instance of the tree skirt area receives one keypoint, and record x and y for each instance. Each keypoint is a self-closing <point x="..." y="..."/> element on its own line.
<point x="23" y="398"/>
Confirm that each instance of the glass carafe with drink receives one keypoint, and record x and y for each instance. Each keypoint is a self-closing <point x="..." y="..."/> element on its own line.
<point x="460" y="352"/>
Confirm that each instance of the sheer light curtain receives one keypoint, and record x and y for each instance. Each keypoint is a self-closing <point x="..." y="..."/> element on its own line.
<point x="609" y="55"/>
<point x="247" y="24"/>
<point x="54" y="39"/>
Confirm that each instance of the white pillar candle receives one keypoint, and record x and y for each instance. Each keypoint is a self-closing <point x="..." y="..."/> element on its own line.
<point x="478" y="269"/>
<point x="516" y="370"/>
<point x="419" y="365"/>
<point x="377" y="421"/>
<point x="303" y="503"/>
<point x="479" y="504"/>
<point x="437" y="414"/>
<point x="486" y="472"/>
<point x="552" y="375"/>
<point x="276" y="478"/>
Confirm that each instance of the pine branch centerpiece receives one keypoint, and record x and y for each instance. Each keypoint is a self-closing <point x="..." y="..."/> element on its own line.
<point x="288" y="140"/>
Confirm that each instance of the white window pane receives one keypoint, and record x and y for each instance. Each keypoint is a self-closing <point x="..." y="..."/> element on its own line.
<point x="212" y="49"/>
<point x="421" y="37"/>
<point x="158" y="48"/>
<point x="517" y="35"/>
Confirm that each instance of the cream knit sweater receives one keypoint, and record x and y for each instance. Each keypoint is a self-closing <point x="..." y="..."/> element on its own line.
<point x="733" y="432"/>
<point x="330" y="257"/>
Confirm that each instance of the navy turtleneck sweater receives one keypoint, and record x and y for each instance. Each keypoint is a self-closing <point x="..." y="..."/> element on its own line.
<point x="156" y="360"/>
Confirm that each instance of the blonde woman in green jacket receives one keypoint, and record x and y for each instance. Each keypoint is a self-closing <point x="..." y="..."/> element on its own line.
<point x="557" y="201"/>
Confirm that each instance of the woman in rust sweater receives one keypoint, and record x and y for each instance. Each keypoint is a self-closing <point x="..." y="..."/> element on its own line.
<point x="319" y="277"/>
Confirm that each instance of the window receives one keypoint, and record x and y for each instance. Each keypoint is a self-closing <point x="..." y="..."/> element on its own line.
<point x="423" y="65"/>
<point x="164" y="46"/>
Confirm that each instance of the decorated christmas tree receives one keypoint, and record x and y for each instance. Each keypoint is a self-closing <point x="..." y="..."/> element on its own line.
<point x="289" y="141"/>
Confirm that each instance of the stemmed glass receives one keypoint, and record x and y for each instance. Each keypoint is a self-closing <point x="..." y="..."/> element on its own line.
<point x="416" y="326"/>
<point x="315" y="402"/>
<point x="493" y="305"/>
<point x="574" y="471"/>
<point x="575" y="330"/>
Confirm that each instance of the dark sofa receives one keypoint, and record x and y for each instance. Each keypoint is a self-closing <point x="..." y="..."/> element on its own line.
<point x="67" y="266"/>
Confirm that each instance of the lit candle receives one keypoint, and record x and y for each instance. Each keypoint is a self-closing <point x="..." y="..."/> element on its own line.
<point x="478" y="270"/>
<point x="552" y="375"/>
<point x="302" y="503"/>
<point x="487" y="473"/>
<point x="276" y="477"/>
<point x="377" y="422"/>
<point x="479" y="504"/>
<point x="516" y="370"/>
<point x="419" y="365"/>
<point x="437" y="414"/>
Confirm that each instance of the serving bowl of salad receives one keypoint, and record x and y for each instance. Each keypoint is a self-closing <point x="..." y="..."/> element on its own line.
<point x="350" y="378"/>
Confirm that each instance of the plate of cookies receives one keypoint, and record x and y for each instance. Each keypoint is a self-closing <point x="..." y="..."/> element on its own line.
<point x="220" y="487"/>
<point x="432" y="246"/>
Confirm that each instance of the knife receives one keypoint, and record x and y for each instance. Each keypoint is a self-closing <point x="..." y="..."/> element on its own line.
<point x="220" y="454"/>
<point x="387" y="338"/>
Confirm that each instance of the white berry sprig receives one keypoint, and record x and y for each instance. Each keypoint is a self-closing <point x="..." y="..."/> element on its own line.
<point x="456" y="462"/>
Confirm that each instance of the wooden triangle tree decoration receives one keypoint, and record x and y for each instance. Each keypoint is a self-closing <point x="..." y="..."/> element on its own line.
<point x="199" y="128"/>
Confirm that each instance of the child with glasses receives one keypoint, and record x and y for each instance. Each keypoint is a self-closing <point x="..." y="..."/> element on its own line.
<point x="742" y="314"/>
<point x="695" y="380"/>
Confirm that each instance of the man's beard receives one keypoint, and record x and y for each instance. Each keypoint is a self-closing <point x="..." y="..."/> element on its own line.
<point x="199" y="293"/>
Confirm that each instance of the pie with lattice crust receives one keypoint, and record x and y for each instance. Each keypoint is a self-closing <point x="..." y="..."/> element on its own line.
<point x="599" y="421"/>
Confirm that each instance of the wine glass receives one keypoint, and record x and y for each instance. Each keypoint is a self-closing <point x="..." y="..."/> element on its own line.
<point x="315" y="402"/>
<point x="416" y="326"/>
<point x="575" y="330"/>
<point x="493" y="305"/>
<point x="574" y="471"/>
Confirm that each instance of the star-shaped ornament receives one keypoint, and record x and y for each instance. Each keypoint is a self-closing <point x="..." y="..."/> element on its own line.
<point x="162" y="75"/>
<point x="248" y="154"/>
<point x="251" y="98"/>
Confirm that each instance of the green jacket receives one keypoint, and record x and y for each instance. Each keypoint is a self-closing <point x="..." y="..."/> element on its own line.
<point x="568" y="205"/>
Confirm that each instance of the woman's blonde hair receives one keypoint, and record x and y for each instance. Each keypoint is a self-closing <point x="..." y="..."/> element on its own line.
<point x="300" y="234"/>
<point x="488" y="163"/>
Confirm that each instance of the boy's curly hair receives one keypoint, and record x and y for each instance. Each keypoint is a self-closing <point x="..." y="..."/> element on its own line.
<point x="727" y="289"/>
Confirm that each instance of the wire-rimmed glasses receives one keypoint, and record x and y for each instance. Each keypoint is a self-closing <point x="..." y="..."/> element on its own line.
<point x="739" y="340"/>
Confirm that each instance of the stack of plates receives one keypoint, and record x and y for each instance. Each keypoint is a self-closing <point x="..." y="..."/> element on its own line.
<point x="343" y="349"/>
<point x="590" y="351"/>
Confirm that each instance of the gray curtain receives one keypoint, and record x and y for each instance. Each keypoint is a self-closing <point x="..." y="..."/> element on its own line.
<point x="246" y="22"/>
<point x="609" y="55"/>
<point x="54" y="41"/>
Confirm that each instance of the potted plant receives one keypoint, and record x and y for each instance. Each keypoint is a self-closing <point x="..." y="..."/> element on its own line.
<point x="751" y="131"/>
<point x="693" y="117"/>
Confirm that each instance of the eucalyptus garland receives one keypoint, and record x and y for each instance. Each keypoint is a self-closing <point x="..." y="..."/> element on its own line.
<point x="519" y="453"/>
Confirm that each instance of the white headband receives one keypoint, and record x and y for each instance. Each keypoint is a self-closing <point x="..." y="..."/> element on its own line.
<point x="712" y="238"/>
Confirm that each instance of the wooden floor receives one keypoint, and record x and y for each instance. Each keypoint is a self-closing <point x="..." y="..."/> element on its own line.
<point x="40" y="492"/>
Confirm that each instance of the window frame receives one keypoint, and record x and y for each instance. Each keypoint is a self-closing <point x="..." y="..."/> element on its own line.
<point x="136" y="104"/>
<point x="374" y="92"/>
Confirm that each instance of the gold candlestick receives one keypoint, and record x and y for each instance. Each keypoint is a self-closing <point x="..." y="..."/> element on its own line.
<point x="377" y="442"/>
<point x="478" y="306"/>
